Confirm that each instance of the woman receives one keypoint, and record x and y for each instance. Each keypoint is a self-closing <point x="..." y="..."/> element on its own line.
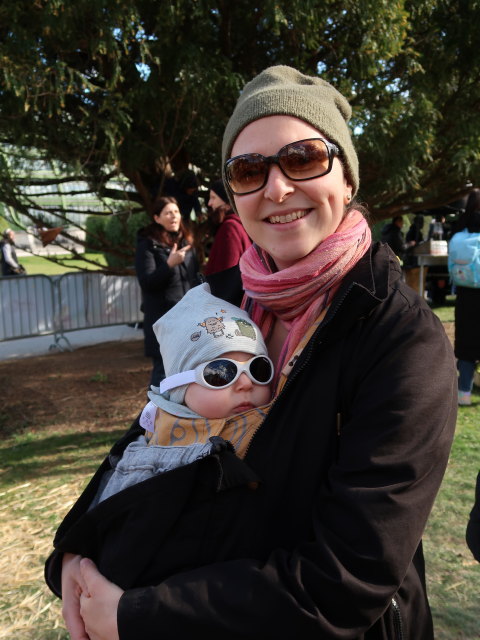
<point x="167" y="268"/>
<point x="352" y="452"/>
<point x="230" y="238"/>
<point x="463" y="244"/>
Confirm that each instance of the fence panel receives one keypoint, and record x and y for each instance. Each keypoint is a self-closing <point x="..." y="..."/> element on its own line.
<point x="27" y="306"/>
<point x="40" y="305"/>
<point x="88" y="300"/>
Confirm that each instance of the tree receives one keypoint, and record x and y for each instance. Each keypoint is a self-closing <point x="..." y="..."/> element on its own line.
<point x="117" y="94"/>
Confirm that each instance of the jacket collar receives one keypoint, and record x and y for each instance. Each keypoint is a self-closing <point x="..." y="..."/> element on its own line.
<point x="363" y="289"/>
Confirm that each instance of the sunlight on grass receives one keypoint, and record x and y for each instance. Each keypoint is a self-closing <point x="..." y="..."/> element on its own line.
<point x="36" y="265"/>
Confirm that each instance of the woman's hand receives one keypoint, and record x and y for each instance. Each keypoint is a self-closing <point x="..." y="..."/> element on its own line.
<point x="177" y="257"/>
<point x="72" y="587"/>
<point x="98" y="603"/>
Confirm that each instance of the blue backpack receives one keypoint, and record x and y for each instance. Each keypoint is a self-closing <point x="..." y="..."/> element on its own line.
<point x="464" y="259"/>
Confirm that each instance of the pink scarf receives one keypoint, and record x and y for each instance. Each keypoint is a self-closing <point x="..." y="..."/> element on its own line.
<point x="298" y="294"/>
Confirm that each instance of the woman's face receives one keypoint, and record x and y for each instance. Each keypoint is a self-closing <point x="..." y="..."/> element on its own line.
<point x="318" y="204"/>
<point x="169" y="217"/>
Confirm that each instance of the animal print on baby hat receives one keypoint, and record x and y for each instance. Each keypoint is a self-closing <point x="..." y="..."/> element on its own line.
<point x="201" y="327"/>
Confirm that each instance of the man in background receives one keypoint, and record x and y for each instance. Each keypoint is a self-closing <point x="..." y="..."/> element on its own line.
<point x="10" y="264"/>
<point x="392" y="234"/>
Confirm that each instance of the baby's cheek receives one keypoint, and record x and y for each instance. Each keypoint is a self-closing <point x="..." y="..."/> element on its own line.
<point x="264" y="394"/>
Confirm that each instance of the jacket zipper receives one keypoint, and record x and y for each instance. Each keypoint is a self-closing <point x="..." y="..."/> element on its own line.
<point x="397" y="620"/>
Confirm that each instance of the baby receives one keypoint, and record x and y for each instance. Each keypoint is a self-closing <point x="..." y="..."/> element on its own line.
<point x="217" y="385"/>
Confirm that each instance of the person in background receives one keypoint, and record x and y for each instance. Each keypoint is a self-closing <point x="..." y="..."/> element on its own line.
<point x="467" y="344"/>
<point x="166" y="267"/>
<point x="410" y="261"/>
<point x="230" y="238"/>
<point x="10" y="263"/>
<point x="392" y="235"/>
<point x="353" y="449"/>
<point x="436" y="229"/>
<point x="467" y="302"/>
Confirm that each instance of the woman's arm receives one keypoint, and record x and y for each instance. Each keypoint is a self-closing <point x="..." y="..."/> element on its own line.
<point x="154" y="268"/>
<point x="151" y="267"/>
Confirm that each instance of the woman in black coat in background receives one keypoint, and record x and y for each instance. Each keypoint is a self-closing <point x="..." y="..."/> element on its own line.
<point x="166" y="267"/>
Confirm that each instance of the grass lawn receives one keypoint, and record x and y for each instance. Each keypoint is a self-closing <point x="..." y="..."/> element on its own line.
<point x="446" y="313"/>
<point x="453" y="575"/>
<point x="42" y="472"/>
<point x="36" y="265"/>
<point x="40" y="476"/>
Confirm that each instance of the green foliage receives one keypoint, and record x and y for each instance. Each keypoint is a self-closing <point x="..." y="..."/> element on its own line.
<point x="120" y="233"/>
<point x="110" y="88"/>
<point x="95" y="230"/>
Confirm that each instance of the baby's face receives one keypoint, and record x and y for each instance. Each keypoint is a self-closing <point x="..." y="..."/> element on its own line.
<point x="240" y="396"/>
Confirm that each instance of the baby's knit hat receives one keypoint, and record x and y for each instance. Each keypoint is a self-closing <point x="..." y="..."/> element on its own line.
<point x="282" y="90"/>
<point x="201" y="327"/>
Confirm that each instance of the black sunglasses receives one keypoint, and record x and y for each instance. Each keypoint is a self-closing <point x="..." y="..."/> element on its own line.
<point x="301" y="160"/>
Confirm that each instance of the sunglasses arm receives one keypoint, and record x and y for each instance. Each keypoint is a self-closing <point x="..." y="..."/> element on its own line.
<point x="177" y="380"/>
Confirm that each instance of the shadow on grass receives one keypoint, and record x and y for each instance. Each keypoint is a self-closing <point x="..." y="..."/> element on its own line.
<point x="33" y="456"/>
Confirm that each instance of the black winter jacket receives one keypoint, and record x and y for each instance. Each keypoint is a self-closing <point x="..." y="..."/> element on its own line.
<point x="349" y="461"/>
<point x="162" y="286"/>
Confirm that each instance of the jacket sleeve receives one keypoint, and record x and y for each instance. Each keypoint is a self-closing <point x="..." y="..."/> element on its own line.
<point x="369" y="515"/>
<point x="152" y="276"/>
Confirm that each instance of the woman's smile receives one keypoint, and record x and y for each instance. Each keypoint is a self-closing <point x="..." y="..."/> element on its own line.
<point x="289" y="217"/>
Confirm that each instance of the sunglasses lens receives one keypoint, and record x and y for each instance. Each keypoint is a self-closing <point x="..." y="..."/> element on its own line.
<point x="219" y="373"/>
<point x="305" y="159"/>
<point x="246" y="173"/>
<point x="261" y="369"/>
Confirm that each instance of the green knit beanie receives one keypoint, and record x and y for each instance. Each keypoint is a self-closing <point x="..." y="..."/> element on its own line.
<point x="282" y="90"/>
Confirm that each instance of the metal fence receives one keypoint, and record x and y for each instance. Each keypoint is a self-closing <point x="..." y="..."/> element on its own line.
<point x="42" y="305"/>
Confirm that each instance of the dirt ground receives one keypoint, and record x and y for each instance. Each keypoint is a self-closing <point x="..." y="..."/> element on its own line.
<point x="100" y="385"/>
